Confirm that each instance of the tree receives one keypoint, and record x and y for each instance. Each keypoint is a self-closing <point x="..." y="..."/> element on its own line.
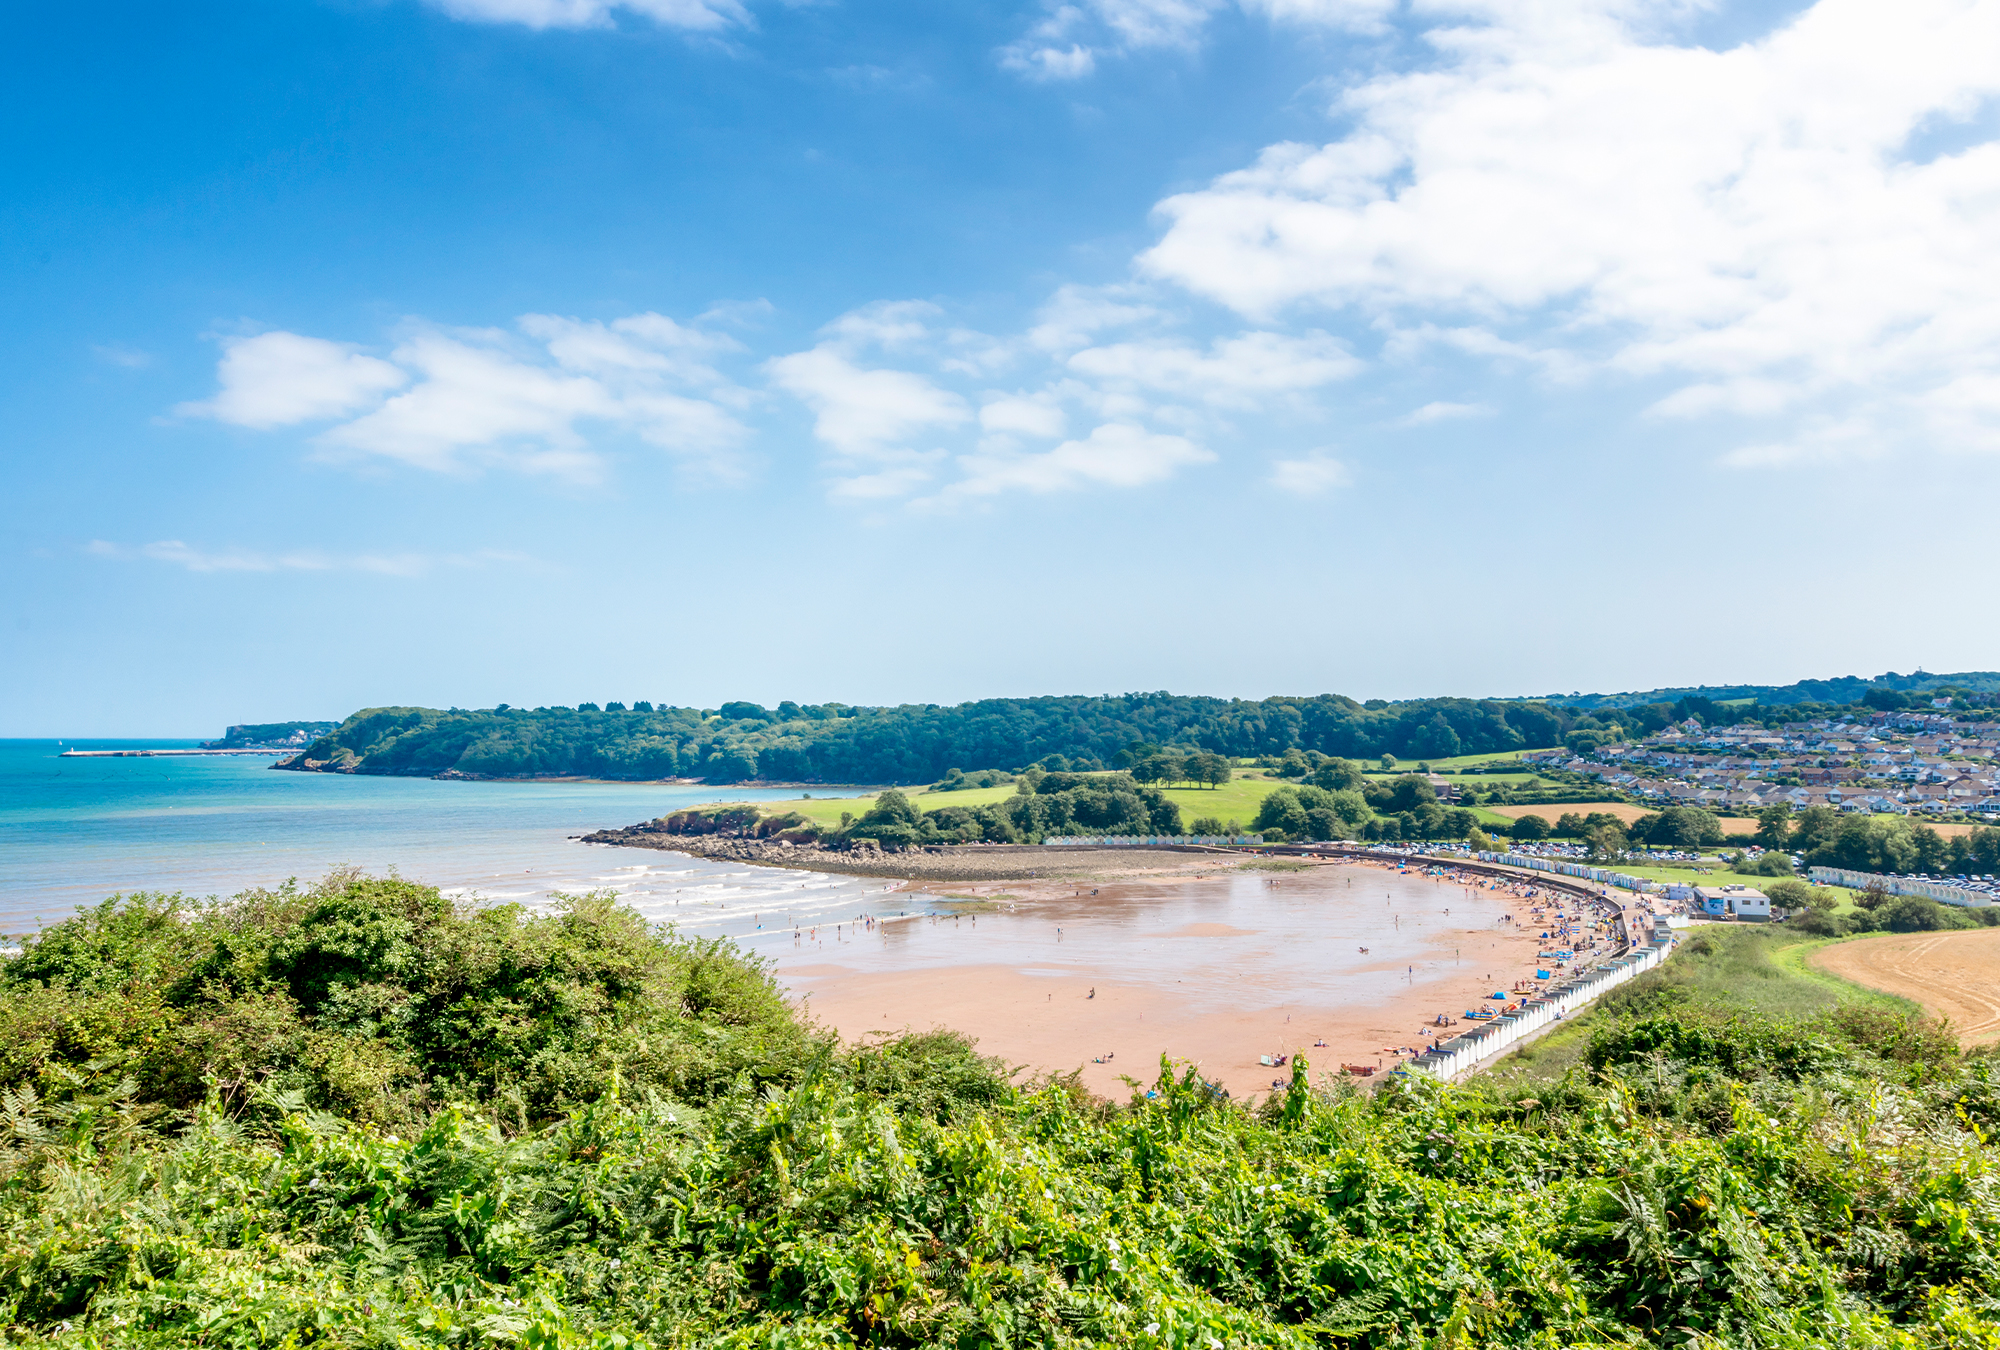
<point x="1814" y="828"/>
<point x="1795" y="895"/>
<point x="1686" y="826"/>
<point x="1915" y="914"/>
<point x="1530" y="827"/>
<point x="1337" y="775"/>
<point x="1774" y="825"/>
<point x="1205" y="825"/>
<point x="1932" y="852"/>
<point x="1388" y="764"/>
<point x="1607" y="842"/>
<point x="1410" y="792"/>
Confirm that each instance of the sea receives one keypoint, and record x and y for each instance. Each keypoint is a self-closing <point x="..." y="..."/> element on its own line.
<point x="74" y="832"/>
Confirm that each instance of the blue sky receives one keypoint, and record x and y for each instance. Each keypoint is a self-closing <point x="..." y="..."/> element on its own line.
<point x="547" y="350"/>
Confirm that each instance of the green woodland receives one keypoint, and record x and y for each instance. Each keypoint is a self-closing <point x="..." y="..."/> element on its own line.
<point x="1162" y="737"/>
<point x="917" y="743"/>
<point x="358" y="1114"/>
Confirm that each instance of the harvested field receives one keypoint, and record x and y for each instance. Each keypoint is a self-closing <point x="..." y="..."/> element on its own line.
<point x="1953" y="975"/>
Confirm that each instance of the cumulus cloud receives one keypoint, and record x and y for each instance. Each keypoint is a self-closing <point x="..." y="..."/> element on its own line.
<point x="1115" y="454"/>
<point x="1312" y="476"/>
<point x="1066" y="43"/>
<point x="1075" y="315"/>
<point x="233" y="559"/>
<point x="1038" y="417"/>
<point x="1442" y="412"/>
<point x="1240" y="370"/>
<point x="702" y="16"/>
<point x="1357" y="14"/>
<point x="470" y="398"/>
<point x="1749" y="226"/>
<point x="862" y="411"/>
<point x="280" y="379"/>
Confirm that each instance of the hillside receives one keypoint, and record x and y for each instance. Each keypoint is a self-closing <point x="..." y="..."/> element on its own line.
<point x="912" y="743"/>
<point x="424" y="1126"/>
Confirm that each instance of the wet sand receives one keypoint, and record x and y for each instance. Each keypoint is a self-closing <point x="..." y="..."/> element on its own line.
<point x="1219" y="970"/>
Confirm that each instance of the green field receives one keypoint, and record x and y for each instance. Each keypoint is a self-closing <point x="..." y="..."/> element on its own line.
<point x="1236" y="800"/>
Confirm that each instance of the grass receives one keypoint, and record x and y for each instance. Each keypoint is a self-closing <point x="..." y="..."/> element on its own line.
<point x="1758" y="967"/>
<point x="1236" y="800"/>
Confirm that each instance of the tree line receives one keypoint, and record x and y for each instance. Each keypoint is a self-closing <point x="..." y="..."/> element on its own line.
<point x="917" y="743"/>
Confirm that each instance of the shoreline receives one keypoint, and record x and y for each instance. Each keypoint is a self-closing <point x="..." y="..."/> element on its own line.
<point x="1218" y="970"/>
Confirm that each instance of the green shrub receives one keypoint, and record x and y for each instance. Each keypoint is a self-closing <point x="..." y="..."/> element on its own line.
<point x="380" y="998"/>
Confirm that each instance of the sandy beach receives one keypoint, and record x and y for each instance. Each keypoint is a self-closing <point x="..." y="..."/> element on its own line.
<point x="1219" y="966"/>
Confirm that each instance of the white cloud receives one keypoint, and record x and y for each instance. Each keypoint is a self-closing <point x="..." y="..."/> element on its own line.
<point x="1239" y="370"/>
<point x="1039" y="417"/>
<point x="700" y="16"/>
<point x="1442" y="412"/>
<point x="1050" y="63"/>
<point x="897" y="482"/>
<point x="1066" y="44"/>
<point x="1313" y="476"/>
<point x="1076" y="314"/>
<point x="1114" y="455"/>
<point x="473" y="393"/>
<point x="1050" y="50"/>
<point x="193" y="559"/>
<point x="486" y="397"/>
<point x="280" y="379"/>
<point x="890" y="324"/>
<point x="863" y="411"/>
<point x="1358" y="14"/>
<point x="1744" y="225"/>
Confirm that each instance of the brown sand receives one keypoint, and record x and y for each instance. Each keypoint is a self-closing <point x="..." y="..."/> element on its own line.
<point x="1282" y="973"/>
<point x="1954" y="975"/>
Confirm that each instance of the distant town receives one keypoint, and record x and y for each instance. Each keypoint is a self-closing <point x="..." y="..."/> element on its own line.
<point x="1899" y="763"/>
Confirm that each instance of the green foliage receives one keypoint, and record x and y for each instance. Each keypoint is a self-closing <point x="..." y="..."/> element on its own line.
<point x="1893" y="844"/>
<point x="379" y="998"/>
<point x="1044" y="805"/>
<point x="1795" y="1178"/>
<point x="919" y="743"/>
<point x="1530" y="827"/>
<point x="1769" y="865"/>
<point x="1679" y="827"/>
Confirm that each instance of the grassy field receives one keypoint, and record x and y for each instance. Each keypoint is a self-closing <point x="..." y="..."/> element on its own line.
<point x="1754" y="966"/>
<point x="1237" y="800"/>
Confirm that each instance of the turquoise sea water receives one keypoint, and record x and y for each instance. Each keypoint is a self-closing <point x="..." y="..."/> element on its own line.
<point x="74" y="831"/>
